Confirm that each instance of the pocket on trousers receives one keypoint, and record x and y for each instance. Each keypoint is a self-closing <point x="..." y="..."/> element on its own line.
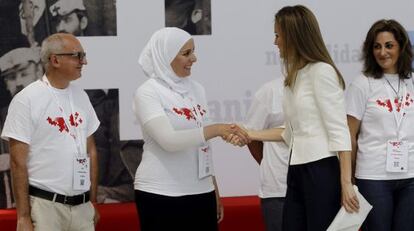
<point x="33" y="207"/>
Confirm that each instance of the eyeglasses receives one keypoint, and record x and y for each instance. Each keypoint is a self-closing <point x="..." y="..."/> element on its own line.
<point x="80" y="55"/>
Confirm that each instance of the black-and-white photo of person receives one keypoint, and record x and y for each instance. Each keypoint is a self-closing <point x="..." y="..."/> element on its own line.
<point x="33" y="20"/>
<point x="193" y="16"/>
<point x="83" y="18"/>
<point x="19" y="67"/>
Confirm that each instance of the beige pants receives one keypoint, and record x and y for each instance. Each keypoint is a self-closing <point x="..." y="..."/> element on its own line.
<point x="52" y="216"/>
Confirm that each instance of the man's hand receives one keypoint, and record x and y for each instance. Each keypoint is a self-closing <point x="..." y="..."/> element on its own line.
<point x="24" y="224"/>
<point x="97" y="216"/>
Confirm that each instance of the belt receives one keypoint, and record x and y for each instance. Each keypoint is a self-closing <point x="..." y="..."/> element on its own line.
<point x="55" y="197"/>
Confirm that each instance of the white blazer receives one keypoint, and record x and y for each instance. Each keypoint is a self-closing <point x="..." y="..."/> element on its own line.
<point x="316" y="125"/>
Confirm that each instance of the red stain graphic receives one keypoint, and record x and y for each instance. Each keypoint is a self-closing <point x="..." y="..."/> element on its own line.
<point x="408" y="100"/>
<point x="74" y="121"/>
<point x="204" y="149"/>
<point x="190" y="114"/>
<point x="386" y="104"/>
<point x="59" y="122"/>
<point x="186" y="112"/>
<point x="397" y="104"/>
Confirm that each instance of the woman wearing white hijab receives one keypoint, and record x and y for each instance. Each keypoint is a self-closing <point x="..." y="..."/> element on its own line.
<point x="174" y="184"/>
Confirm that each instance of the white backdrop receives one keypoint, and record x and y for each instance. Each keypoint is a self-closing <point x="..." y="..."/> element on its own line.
<point x="233" y="61"/>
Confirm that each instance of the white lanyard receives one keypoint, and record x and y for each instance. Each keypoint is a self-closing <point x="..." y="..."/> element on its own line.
<point x="398" y="116"/>
<point x="74" y="134"/>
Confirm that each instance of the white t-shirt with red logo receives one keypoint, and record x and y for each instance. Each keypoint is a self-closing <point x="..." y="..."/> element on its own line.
<point x="34" y="118"/>
<point x="266" y="112"/>
<point x="372" y="101"/>
<point x="170" y="173"/>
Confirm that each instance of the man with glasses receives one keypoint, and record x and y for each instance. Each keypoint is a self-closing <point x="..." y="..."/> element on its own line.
<point x="50" y="126"/>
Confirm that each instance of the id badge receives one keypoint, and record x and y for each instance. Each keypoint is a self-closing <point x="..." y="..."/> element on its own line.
<point x="205" y="161"/>
<point x="397" y="156"/>
<point x="81" y="177"/>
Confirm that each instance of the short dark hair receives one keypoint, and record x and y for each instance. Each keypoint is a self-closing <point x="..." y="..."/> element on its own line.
<point x="371" y="67"/>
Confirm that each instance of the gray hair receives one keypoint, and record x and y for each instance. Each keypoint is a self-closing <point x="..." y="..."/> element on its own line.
<point x="52" y="44"/>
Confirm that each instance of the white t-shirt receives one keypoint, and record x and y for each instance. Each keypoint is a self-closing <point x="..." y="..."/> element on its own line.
<point x="371" y="101"/>
<point x="162" y="172"/>
<point x="266" y="112"/>
<point x="34" y="118"/>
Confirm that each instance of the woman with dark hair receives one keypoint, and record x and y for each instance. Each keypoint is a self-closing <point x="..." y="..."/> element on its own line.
<point x="380" y="117"/>
<point x="316" y="127"/>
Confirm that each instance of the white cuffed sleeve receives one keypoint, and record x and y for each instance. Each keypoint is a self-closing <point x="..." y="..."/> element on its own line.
<point x="161" y="130"/>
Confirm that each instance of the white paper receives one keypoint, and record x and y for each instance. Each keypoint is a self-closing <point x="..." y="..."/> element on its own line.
<point x="345" y="221"/>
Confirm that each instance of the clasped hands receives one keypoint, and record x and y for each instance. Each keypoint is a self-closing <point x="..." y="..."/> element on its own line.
<point x="235" y="134"/>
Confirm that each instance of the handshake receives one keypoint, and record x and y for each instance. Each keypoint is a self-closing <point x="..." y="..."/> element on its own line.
<point x="235" y="134"/>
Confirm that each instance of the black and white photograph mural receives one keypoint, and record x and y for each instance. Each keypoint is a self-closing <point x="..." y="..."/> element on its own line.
<point x="193" y="16"/>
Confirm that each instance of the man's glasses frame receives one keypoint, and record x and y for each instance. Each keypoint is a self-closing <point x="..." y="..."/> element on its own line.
<point x="80" y="55"/>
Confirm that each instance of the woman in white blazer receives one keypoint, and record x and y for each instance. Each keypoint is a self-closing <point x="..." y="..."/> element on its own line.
<point x="316" y="126"/>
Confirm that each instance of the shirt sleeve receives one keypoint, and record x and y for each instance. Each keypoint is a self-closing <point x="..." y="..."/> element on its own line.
<point x="258" y="112"/>
<point x="356" y="99"/>
<point x="18" y="124"/>
<point x="161" y="130"/>
<point x="147" y="104"/>
<point x="329" y="98"/>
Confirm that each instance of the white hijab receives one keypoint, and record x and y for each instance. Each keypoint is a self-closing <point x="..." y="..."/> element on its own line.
<point x="160" y="51"/>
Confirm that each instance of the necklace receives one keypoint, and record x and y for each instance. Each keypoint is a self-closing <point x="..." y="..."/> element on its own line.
<point x="397" y="92"/>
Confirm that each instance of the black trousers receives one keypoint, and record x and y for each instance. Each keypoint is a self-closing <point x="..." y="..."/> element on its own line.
<point x="190" y="212"/>
<point x="313" y="196"/>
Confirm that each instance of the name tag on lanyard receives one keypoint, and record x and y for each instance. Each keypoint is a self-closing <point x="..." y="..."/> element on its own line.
<point x="81" y="171"/>
<point x="397" y="150"/>
<point x="397" y="156"/>
<point x="205" y="161"/>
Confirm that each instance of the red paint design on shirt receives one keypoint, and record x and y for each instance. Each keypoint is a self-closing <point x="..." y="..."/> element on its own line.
<point x="386" y="104"/>
<point x="389" y="105"/>
<point x="408" y="100"/>
<point x="59" y="122"/>
<point x="184" y="111"/>
<point x="190" y="114"/>
<point x="74" y="121"/>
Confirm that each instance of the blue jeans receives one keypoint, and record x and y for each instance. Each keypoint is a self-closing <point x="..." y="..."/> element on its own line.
<point x="272" y="209"/>
<point x="393" y="204"/>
